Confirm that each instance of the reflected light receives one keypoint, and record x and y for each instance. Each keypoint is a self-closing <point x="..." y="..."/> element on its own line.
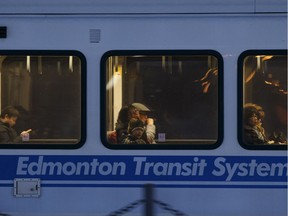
<point x="264" y="57"/>
<point x="267" y="58"/>
<point x="28" y="66"/>
<point x="116" y="78"/>
<point x="71" y="63"/>
<point x="258" y="62"/>
<point x="248" y="78"/>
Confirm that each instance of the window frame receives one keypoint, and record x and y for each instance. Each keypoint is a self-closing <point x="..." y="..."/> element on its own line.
<point x="240" y="89"/>
<point x="83" y="81"/>
<point x="175" y="146"/>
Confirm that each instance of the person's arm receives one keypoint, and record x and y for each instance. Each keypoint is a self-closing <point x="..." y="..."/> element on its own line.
<point x="150" y="131"/>
<point x="251" y="137"/>
<point x="9" y="137"/>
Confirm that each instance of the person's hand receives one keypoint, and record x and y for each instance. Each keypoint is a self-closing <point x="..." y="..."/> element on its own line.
<point x="24" y="133"/>
<point x="150" y="121"/>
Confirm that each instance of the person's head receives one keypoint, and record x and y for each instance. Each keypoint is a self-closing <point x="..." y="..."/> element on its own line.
<point x="139" y="111"/>
<point x="123" y="115"/>
<point x="9" y="115"/>
<point x="253" y="114"/>
<point x="133" y="112"/>
<point x="143" y="116"/>
<point x="136" y="127"/>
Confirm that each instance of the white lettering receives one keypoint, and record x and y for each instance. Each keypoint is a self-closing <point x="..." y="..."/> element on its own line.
<point x="27" y="167"/>
<point x="22" y="166"/>
<point x="263" y="169"/>
<point x="231" y="170"/>
<point x="105" y="168"/>
<point x="243" y="171"/>
<point x="69" y="168"/>
<point x="34" y="168"/>
<point x="194" y="168"/>
<point x="247" y="169"/>
<point x="221" y="168"/>
<point x="51" y="167"/>
<point x="139" y="161"/>
<point x="282" y="168"/>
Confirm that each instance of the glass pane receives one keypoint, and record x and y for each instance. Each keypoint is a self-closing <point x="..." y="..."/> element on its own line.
<point x="265" y="100"/>
<point x="176" y="98"/>
<point x="46" y="91"/>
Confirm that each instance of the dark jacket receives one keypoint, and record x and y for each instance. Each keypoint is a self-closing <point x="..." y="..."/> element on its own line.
<point x="253" y="136"/>
<point x="8" y="134"/>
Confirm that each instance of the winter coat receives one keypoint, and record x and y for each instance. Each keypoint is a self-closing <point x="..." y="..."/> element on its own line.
<point x="252" y="135"/>
<point x="8" y="134"/>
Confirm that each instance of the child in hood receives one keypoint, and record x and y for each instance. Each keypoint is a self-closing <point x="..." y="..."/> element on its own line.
<point x="136" y="129"/>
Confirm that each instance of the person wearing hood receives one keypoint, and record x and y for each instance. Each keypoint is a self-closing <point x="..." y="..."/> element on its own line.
<point x="136" y="130"/>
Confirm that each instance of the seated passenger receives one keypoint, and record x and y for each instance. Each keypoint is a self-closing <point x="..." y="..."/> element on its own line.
<point x="121" y="128"/>
<point x="8" y="118"/>
<point x="254" y="133"/>
<point x="150" y="129"/>
<point x="135" y="132"/>
<point x="139" y="111"/>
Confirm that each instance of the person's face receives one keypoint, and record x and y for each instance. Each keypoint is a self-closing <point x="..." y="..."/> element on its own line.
<point x="143" y="117"/>
<point x="259" y="122"/>
<point x="135" y="114"/>
<point x="137" y="133"/>
<point x="10" y="120"/>
<point x="253" y="120"/>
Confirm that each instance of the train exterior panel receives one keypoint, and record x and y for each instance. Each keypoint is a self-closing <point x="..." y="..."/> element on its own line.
<point x="62" y="65"/>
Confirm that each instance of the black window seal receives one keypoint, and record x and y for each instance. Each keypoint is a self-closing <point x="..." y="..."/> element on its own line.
<point x="53" y="146"/>
<point x="240" y="64"/>
<point x="161" y="146"/>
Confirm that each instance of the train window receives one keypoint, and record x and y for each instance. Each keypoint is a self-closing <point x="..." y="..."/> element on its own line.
<point x="43" y="91"/>
<point x="162" y="99"/>
<point x="263" y="94"/>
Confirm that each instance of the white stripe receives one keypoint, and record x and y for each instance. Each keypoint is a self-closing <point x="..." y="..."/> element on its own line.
<point x="154" y="182"/>
<point x="165" y="182"/>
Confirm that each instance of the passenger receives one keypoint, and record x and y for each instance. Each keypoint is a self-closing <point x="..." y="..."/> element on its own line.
<point x="122" y="124"/>
<point x="139" y="111"/>
<point x="254" y="132"/>
<point x="121" y="127"/>
<point x="135" y="132"/>
<point x="8" y="118"/>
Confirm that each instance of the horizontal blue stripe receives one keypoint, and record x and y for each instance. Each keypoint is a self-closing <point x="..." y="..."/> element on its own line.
<point x="146" y="168"/>
<point x="6" y="185"/>
<point x="157" y="186"/>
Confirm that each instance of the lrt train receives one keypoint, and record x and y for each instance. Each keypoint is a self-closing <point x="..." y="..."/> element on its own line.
<point x="143" y="107"/>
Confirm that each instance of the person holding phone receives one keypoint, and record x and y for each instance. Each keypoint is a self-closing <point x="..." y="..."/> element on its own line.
<point x="8" y="119"/>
